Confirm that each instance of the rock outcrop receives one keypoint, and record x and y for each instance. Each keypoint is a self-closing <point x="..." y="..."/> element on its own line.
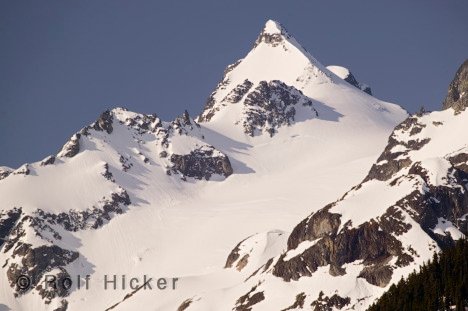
<point x="71" y="148"/>
<point x="457" y="97"/>
<point x="201" y="163"/>
<point x="104" y="123"/>
<point x="272" y="105"/>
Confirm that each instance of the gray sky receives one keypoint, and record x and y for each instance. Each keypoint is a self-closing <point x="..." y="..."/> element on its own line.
<point x="64" y="62"/>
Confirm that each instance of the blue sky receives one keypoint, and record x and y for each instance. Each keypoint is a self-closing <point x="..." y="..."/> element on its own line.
<point x="64" y="62"/>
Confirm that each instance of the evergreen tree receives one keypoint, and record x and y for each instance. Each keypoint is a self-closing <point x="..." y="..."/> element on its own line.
<point x="441" y="284"/>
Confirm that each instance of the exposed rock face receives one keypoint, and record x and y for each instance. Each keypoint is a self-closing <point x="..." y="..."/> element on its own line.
<point x="238" y="92"/>
<point x="125" y="162"/>
<point x="363" y="87"/>
<point x="8" y="220"/>
<point x="251" y="298"/>
<point x="348" y="76"/>
<point x="141" y="123"/>
<point x="268" y="105"/>
<point x="93" y="218"/>
<point x="201" y="163"/>
<point x="325" y="303"/>
<point x="48" y="161"/>
<point x="107" y="173"/>
<point x="185" y="305"/>
<point x="71" y="148"/>
<point x="271" y="105"/>
<point x="379" y="275"/>
<point x="457" y="97"/>
<point x="233" y="256"/>
<point x="298" y="303"/>
<point x="35" y="262"/>
<point x="210" y="109"/>
<point x="183" y="124"/>
<point x="395" y="156"/>
<point x="336" y="247"/>
<point x="5" y="172"/>
<point x="104" y="123"/>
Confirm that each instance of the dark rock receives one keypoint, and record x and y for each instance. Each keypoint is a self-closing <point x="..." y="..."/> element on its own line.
<point x="107" y="174"/>
<point x="366" y="242"/>
<point x="378" y="275"/>
<point x="125" y="162"/>
<point x="35" y="262"/>
<point x="202" y="163"/>
<point x="8" y="220"/>
<point x="325" y="303"/>
<point x="321" y="224"/>
<point x="298" y="303"/>
<point x="143" y="123"/>
<point x="351" y="79"/>
<point x="457" y="97"/>
<point x="104" y="123"/>
<point x="209" y="110"/>
<point x="185" y="305"/>
<point x="72" y="147"/>
<point x="234" y="255"/>
<point x="366" y="89"/>
<point x="246" y="302"/>
<point x="336" y="270"/>
<point x="274" y="39"/>
<point x="460" y="161"/>
<point x="390" y="162"/>
<point x="48" y="161"/>
<point x="5" y="172"/>
<point x="271" y="105"/>
<point x="91" y="218"/>
<point x="394" y="221"/>
<point x="238" y="92"/>
<point x="55" y="286"/>
<point x="183" y="124"/>
<point x="23" y="170"/>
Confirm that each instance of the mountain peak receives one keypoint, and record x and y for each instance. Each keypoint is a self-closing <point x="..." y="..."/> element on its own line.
<point x="273" y="33"/>
<point x="272" y="27"/>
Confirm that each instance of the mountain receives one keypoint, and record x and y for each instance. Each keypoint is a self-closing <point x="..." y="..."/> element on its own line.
<point x="130" y="194"/>
<point x="412" y="203"/>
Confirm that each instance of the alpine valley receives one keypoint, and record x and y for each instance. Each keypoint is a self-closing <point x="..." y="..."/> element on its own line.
<point x="294" y="189"/>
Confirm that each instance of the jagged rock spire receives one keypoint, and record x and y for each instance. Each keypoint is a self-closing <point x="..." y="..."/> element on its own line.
<point x="457" y="97"/>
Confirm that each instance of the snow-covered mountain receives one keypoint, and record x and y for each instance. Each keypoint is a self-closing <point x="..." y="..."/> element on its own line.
<point x="343" y="256"/>
<point x="280" y="137"/>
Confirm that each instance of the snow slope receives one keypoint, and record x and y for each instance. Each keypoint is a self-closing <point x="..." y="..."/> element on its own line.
<point x="131" y="194"/>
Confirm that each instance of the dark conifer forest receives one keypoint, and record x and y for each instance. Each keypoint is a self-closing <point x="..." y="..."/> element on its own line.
<point x="441" y="284"/>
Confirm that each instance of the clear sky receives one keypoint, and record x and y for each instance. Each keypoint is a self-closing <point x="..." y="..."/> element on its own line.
<point x="64" y="62"/>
